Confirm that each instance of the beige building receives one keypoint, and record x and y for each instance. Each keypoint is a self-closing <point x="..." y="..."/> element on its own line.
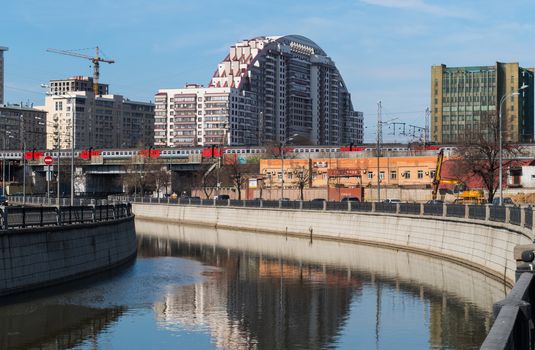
<point x="76" y="83"/>
<point x="195" y="115"/>
<point x="107" y="121"/>
<point x="467" y="99"/>
<point x="2" y="49"/>
<point x="17" y="120"/>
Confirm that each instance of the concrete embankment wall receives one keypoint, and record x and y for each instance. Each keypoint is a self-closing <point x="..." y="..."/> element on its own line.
<point x="478" y="244"/>
<point x="38" y="257"/>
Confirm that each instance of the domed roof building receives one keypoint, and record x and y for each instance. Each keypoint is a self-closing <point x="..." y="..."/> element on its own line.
<point x="297" y="88"/>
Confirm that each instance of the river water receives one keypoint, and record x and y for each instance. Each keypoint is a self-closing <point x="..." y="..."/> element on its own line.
<point x="200" y="288"/>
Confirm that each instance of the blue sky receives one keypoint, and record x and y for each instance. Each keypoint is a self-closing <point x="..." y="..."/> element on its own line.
<point x="383" y="48"/>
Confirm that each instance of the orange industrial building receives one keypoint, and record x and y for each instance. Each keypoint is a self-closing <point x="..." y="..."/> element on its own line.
<point x="408" y="172"/>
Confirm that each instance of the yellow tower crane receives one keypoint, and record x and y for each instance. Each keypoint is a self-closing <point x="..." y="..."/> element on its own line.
<point x="95" y="60"/>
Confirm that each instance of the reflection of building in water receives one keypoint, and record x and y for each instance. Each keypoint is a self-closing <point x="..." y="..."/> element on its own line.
<point x="24" y="326"/>
<point x="450" y="294"/>
<point x="258" y="302"/>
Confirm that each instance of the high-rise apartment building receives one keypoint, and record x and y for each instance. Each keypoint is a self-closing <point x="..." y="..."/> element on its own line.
<point x="467" y="99"/>
<point x="76" y="83"/>
<point x="2" y="49"/>
<point x="196" y="115"/>
<point x="107" y="121"/>
<point x="277" y="87"/>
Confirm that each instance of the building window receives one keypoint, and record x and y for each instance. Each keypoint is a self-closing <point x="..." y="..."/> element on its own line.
<point x="370" y="175"/>
<point x="381" y="175"/>
<point x="420" y="174"/>
<point x="393" y="175"/>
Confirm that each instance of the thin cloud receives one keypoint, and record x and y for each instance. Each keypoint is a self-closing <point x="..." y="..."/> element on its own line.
<point x="420" y="6"/>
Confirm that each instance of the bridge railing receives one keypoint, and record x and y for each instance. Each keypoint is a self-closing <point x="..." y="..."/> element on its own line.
<point x="15" y="217"/>
<point x="520" y="217"/>
<point x="64" y="201"/>
<point x="513" y="318"/>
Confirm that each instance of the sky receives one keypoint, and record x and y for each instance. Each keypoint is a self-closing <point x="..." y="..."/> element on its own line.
<point x="384" y="49"/>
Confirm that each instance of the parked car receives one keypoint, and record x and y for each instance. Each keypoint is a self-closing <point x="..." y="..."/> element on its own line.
<point x="350" y="199"/>
<point x="222" y="197"/>
<point x="435" y="201"/>
<point x="3" y="200"/>
<point x="505" y="201"/>
<point x="388" y="200"/>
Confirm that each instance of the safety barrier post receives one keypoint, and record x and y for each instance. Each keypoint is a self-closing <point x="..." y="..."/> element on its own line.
<point x="373" y="207"/>
<point x="5" y="223"/>
<point x="487" y="212"/>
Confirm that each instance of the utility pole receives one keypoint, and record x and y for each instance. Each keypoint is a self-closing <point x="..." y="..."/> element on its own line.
<point x="427" y="126"/>
<point x="73" y="131"/>
<point x="23" y="160"/>
<point x="378" y="150"/>
<point x="59" y="160"/>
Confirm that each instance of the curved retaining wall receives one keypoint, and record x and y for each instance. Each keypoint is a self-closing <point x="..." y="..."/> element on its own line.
<point x="481" y="245"/>
<point x="44" y="256"/>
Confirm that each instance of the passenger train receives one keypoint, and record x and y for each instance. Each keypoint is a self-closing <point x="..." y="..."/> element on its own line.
<point x="216" y="151"/>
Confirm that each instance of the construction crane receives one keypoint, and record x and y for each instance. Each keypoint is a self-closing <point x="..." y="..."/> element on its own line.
<point x="95" y="60"/>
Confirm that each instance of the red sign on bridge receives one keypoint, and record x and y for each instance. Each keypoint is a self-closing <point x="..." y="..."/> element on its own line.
<point x="48" y="160"/>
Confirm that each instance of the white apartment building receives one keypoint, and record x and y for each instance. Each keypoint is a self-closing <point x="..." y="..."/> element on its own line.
<point x="266" y="90"/>
<point x="107" y="121"/>
<point x="2" y="49"/>
<point x="196" y="115"/>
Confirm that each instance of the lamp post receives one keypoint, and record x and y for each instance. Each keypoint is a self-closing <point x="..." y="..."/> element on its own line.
<point x="23" y="138"/>
<point x="73" y="131"/>
<point x="500" y="175"/>
<point x="282" y="145"/>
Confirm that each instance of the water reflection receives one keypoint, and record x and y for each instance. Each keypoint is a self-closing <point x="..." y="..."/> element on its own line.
<point x="198" y="288"/>
<point x="312" y="297"/>
<point x="26" y="326"/>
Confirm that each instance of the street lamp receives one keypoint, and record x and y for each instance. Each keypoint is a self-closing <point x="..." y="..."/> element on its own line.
<point x="282" y="145"/>
<point x="23" y="138"/>
<point x="6" y="135"/>
<point x="502" y="100"/>
<point x="73" y="132"/>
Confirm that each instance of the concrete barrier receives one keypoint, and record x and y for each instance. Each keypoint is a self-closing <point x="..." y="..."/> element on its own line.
<point x="43" y="256"/>
<point x="484" y="245"/>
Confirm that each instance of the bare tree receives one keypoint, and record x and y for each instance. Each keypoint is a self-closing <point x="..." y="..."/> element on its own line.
<point x="302" y="176"/>
<point x="235" y="171"/>
<point x="477" y="155"/>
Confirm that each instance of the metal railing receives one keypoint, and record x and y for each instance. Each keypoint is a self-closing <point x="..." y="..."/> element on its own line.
<point x="15" y="217"/>
<point x="513" y="324"/>
<point x="522" y="217"/>
<point x="64" y="201"/>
